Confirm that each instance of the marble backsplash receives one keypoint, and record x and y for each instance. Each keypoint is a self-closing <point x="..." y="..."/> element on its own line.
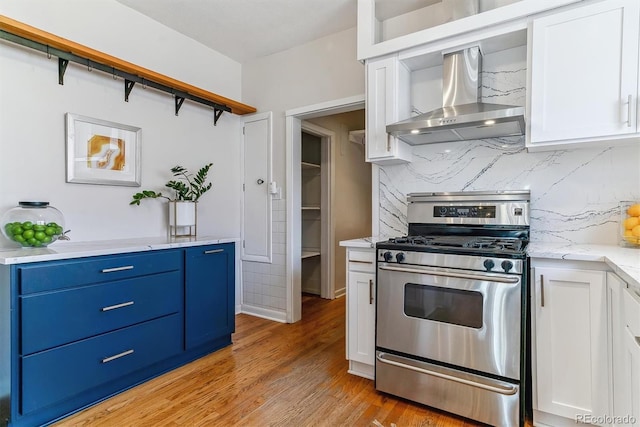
<point x="574" y="193"/>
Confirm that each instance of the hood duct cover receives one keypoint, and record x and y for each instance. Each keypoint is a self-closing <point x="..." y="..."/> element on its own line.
<point x="462" y="116"/>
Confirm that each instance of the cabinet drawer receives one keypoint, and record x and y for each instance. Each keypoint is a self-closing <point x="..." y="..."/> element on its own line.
<point x="362" y="260"/>
<point x="55" y="318"/>
<point x="632" y="310"/>
<point x="55" y="375"/>
<point x="53" y="275"/>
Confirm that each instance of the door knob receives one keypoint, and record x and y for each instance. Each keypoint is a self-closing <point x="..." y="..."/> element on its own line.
<point x="260" y="181"/>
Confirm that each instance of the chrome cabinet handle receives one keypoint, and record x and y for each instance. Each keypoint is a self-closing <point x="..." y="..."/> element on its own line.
<point x="629" y="111"/>
<point x="117" y="356"/>
<point x="542" y="290"/>
<point x="113" y="307"/>
<point x="370" y="291"/>
<point x="388" y="142"/>
<point x="213" y="251"/>
<point x="506" y="390"/>
<point x="361" y="262"/>
<point x="111" y="270"/>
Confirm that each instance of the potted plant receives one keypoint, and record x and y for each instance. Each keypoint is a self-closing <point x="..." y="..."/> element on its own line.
<point x="188" y="189"/>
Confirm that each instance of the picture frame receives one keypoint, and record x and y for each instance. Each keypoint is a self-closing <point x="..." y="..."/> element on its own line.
<point x="102" y="152"/>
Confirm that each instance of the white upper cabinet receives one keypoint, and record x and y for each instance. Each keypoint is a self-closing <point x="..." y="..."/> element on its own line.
<point x="387" y="101"/>
<point x="387" y="26"/>
<point x="584" y="75"/>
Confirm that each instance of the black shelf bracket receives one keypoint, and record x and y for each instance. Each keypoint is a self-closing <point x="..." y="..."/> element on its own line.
<point x="179" y="100"/>
<point x="217" y="112"/>
<point x="62" y="67"/>
<point x="128" y="87"/>
<point x="129" y="79"/>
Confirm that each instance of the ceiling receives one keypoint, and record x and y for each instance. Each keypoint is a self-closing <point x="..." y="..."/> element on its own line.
<point x="247" y="29"/>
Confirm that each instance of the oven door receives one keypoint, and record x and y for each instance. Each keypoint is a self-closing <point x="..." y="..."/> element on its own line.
<point x="463" y="318"/>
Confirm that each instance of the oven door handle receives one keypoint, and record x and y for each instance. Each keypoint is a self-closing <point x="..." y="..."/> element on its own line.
<point x="471" y="276"/>
<point x="506" y="390"/>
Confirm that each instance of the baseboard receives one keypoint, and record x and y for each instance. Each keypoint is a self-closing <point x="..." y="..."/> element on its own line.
<point x="340" y="293"/>
<point x="238" y="308"/>
<point x="265" y="313"/>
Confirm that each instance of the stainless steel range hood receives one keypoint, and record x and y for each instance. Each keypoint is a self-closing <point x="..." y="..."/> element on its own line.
<point x="462" y="116"/>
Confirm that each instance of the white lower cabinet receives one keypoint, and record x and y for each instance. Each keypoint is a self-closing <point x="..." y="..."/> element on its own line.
<point x="361" y="311"/>
<point x="630" y="360"/>
<point x="571" y="374"/>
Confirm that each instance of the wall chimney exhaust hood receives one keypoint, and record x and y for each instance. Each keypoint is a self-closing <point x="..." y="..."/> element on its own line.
<point x="462" y="116"/>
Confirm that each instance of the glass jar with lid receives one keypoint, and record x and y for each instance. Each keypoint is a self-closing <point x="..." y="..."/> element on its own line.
<point x="32" y="224"/>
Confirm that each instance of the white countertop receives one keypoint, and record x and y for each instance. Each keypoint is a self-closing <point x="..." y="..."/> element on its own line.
<point x="70" y="249"/>
<point x="363" y="242"/>
<point x="625" y="262"/>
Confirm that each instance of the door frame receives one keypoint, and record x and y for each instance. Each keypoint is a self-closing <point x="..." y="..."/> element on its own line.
<point x="293" y="131"/>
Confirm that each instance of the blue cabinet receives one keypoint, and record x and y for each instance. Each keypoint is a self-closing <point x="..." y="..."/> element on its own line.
<point x="209" y="301"/>
<point x="85" y="329"/>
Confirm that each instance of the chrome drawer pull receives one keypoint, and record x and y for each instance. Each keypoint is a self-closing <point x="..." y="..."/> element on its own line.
<point x="117" y="356"/>
<point x="213" y="251"/>
<point x="361" y="262"/>
<point x="113" y="307"/>
<point x="502" y="389"/>
<point x="111" y="270"/>
<point x="541" y="290"/>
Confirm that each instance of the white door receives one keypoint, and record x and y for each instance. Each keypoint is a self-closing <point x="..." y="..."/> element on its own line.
<point x="584" y="72"/>
<point x="571" y="342"/>
<point x="256" y="212"/>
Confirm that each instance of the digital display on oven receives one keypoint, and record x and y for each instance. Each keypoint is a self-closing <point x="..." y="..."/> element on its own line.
<point x="464" y="211"/>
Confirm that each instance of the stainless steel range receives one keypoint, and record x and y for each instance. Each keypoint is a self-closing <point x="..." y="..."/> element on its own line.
<point x="452" y="305"/>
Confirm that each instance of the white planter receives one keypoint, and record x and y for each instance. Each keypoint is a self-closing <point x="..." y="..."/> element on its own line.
<point x="182" y="218"/>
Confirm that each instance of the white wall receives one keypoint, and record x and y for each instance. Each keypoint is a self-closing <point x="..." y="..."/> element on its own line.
<point x="33" y="106"/>
<point x="322" y="70"/>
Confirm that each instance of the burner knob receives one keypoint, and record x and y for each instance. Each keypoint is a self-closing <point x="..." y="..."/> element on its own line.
<point x="387" y="256"/>
<point x="400" y="257"/>
<point x="506" y="266"/>
<point x="488" y="264"/>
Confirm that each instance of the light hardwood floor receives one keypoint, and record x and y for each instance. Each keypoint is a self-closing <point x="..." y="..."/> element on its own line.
<point x="273" y="375"/>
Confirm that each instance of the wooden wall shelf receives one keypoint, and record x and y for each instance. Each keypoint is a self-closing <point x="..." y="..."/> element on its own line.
<point x="67" y="50"/>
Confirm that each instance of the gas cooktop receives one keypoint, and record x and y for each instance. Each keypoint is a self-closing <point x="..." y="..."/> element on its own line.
<point x="480" y="245"/>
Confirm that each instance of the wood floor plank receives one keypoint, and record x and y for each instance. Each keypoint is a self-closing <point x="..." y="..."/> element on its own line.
<point x="290" y="375"/>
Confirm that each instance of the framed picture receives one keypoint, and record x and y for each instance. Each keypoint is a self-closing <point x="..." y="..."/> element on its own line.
<point x="102" y="152"/>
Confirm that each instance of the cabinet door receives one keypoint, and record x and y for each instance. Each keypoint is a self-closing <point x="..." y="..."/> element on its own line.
<point x="571" y="342"/>
<point x="631" y="364"/>
<point x="584" y="73"/>
<point x="387" y="93"/>
<point x="620" y="379"/>
<point x="631" y="357"/>
<point x="361" y="317"/>
<point x="209" y="293"/>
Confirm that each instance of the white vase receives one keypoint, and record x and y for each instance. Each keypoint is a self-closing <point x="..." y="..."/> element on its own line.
<point x="182" y="218"/>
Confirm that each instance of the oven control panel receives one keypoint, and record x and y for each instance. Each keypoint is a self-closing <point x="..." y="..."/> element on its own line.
<point x="467" y="262"/>
<point x="464" y="211"/>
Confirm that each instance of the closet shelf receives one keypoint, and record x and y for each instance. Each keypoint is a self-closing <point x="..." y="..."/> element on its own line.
<point x="307" y="165"/>
<point x="310" y="252"/>
<point x="67" y="50"/>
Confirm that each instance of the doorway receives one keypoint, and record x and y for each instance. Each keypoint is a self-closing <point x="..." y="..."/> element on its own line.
<point x="317" y="120"/>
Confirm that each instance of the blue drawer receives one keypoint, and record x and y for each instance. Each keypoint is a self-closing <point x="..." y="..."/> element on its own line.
<point x="52" y="275"/>
<point x="55" y="318"/>
<point x="52" y="376"/>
